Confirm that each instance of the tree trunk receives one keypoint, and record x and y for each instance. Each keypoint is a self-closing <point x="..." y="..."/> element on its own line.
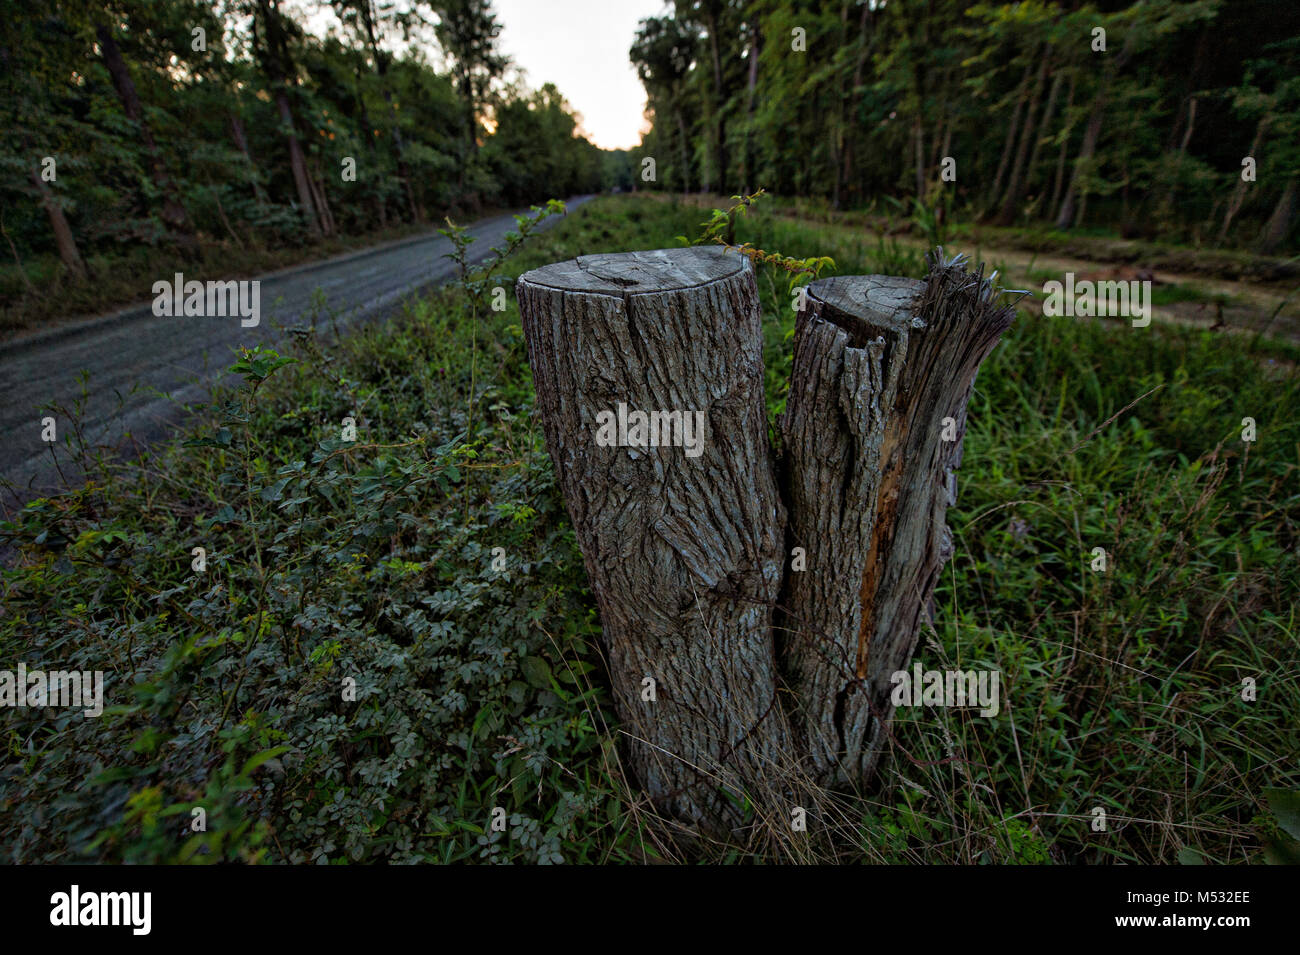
<point x="1015" y="187"/>
<point x="686" y="553"/>
<point x="1239" y="191"/>
<point x="748" y="182"/>
<point x="879" y="364"/>
<point x="63" y="237"/>
<point x="683" y="553"/>
<point x="1061" y="153"/>
<point x="684" y="141"/>
<point x="719" y="109"/>
<point x="918" y="136"/>
<point x="368" y="14"/>
<point x="1279" y="223"/>
<point x="854" y="98"/>
<point x="319" y="196"/>
<point x="367" y="130"/>
<point x="1012" y="130"/>
<point x="239" y="137"/>
<point x="277" y="63"/>
<point x="298" y="163"/>
<point x="1045" y="124"/>
<point x="1091" y="134"/>
<point x="173" y="213"/>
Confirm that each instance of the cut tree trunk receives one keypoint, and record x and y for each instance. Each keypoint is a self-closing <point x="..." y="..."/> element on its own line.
<point x="770" y="600"/>
<point x="684" y="553"/>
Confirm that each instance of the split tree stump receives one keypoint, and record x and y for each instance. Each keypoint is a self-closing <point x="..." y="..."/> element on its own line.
<point x="766" y="678"/>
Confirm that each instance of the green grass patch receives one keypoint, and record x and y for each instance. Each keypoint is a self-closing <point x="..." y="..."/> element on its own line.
<point x="394" y="636"/>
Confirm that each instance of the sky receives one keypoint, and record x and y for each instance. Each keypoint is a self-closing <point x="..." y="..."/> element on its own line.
<point x="581" y="46"/>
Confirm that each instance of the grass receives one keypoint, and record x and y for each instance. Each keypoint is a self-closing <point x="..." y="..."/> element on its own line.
<point x="431" y="562"/>
<point x="1186" y="254"/>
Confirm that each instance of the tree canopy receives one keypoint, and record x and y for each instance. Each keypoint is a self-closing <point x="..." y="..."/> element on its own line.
<point x="1137" y="114"/>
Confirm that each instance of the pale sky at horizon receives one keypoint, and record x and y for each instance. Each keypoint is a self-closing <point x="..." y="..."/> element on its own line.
<point x="581" y="46"/>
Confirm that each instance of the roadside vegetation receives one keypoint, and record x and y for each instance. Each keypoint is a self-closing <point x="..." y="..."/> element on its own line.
<point x="227" y="140"/>
<point x="429" y="560"/>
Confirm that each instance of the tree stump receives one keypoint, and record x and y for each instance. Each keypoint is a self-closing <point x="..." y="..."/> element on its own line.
<point x="735" y="668"/>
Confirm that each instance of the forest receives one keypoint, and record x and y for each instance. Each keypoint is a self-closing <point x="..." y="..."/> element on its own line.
<point x="1122" y="116"/>
<point x="221" y="132"/>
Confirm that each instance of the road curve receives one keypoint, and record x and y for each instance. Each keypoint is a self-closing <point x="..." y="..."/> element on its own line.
<point x="142" y="371"/>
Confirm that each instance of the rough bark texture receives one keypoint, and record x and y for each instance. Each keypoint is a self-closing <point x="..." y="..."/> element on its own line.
<point x="880" y="364"/>
<point x="769" y="677"/>
<point x="841" y="388"/>
<point x="683" y="553"/>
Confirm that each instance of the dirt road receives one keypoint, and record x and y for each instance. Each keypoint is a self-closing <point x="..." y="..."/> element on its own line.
<point x="141" y="371"/>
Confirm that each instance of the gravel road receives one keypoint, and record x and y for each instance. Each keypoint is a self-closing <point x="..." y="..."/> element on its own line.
<point x="142" y="371"/>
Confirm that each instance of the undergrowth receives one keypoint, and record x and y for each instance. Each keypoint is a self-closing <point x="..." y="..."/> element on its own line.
<point x="393" y="635"/>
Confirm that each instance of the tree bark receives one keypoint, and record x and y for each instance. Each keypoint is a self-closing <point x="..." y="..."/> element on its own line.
<point x="63" y="237"/>
<point x="880" y="363"/>
<point x="772" y="674"/>
<point x="683" y="553"/>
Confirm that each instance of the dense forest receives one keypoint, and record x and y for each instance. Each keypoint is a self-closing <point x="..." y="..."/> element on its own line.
<point x="1139" y="115"/>
<point x="194" y="125"/>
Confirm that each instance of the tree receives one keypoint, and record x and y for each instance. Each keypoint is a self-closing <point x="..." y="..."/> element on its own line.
<point x="468" y="30"/>
<point x="662" y="55"/>
<point x="728" y="701"/>
<point x="273" y="53"/>
<point x="368" y="20"/>
<point x="172" y="211"/>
